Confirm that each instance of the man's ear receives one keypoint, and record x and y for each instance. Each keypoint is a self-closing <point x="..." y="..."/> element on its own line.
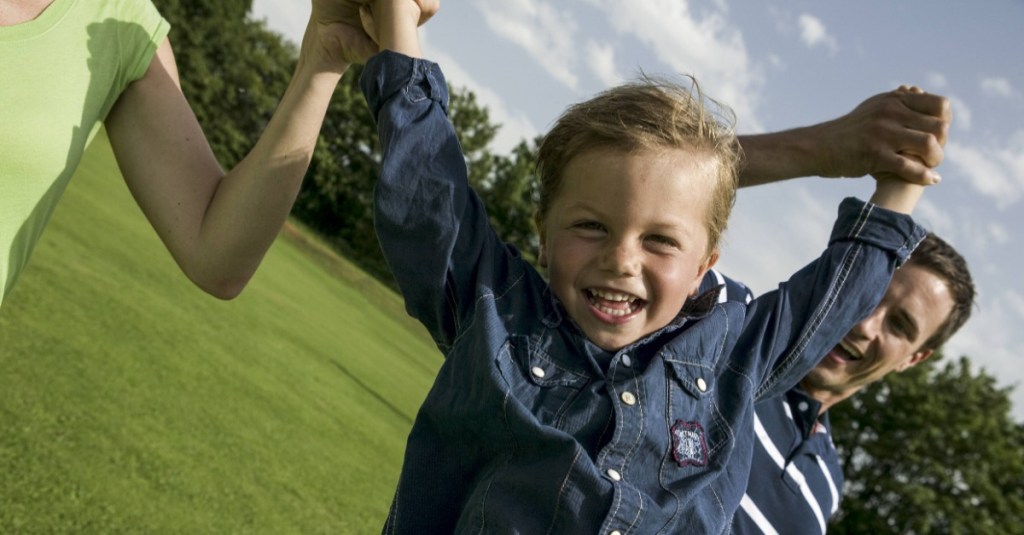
<point x="542" y="253"/>
<point x="915" y="359"/>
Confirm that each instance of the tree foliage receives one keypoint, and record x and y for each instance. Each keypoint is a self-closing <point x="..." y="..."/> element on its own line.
<point x="233" y="70"/>
<point x="337" y="197"/>
<point x="931" y="450"/>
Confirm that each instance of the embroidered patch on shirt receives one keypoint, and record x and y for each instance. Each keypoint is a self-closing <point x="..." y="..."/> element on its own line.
<point x="688" y="445"/>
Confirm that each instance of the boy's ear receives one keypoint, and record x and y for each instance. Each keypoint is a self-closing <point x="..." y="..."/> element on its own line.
<point x="915" y="359"/>
<point x="542" y="254"/>
<point x="709" y="262"/>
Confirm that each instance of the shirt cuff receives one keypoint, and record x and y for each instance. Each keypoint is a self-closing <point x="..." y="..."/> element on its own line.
<point x="869" y="223"/>
<point x="389" y="73"/>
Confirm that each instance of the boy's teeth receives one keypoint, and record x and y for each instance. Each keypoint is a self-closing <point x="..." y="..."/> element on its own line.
<point x="615" y="311"/>
<point x="610" y="296"/>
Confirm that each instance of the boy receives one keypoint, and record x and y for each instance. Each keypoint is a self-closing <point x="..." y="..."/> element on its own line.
<point x="612" y="399"/>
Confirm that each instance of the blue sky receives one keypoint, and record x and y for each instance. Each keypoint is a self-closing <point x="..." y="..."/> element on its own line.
<point x="780" y="65"/>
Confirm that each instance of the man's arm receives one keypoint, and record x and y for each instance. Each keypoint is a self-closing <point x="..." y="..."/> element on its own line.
<point x="898" y="134"/>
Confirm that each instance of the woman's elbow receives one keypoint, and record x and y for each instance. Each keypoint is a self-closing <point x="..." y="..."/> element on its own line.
<point x="225" y="288"/>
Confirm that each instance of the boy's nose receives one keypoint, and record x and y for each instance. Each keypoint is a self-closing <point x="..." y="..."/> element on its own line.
<point x="622" y="258"/>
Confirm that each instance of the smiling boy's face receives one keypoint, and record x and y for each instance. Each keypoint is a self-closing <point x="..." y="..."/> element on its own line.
<point x="625" y="240"/>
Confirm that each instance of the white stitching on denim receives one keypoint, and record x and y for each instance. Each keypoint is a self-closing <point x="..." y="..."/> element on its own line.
<point x="508" y="460"/>
<point x="845" y="266"/>
<point x="561" y="490"/>
<point x="721" y="507"/>
<point x="482" y="297"/>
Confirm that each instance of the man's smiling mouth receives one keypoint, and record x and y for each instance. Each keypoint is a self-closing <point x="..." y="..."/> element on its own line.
<point x="847" y="352"/>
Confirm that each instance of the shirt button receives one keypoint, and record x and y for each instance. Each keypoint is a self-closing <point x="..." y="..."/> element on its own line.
<point x="803" y="406"/>
<point x="538" y="372"/>
<point x="702" y="385"/>
<point x="614" y="475"/>
<point x="628" y="398"/>
<point x="616" y="532"/>
<point x="626" y="361"/>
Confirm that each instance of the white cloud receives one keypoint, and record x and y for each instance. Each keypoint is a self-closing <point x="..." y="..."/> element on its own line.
<point x="1015" y="302"/>
<point x="935" y="81"/>
<point x="938" y="220"/>
<point x="1001" y="236"/>
<point x="813" y="33"/>
<point x="707" y="46"/>
<point x="773" y="232"/>
<point x="961" y="113"/>
<point x="287" y="18"/>
<point x="601" y="59"/>
<point x="986" y="339"/>
<point x="997" y="87"/>
<point x="542" y="30"/>
<point x="514" y="126"/>
<point x="996" y="172"/>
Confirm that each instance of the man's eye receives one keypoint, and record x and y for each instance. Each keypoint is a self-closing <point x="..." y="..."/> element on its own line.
<point x="898" y="326"/>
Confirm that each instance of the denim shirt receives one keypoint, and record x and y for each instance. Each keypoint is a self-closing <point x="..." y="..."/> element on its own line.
<point x="530" y="427"/>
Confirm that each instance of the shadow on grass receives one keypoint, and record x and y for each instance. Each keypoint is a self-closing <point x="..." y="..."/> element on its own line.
<point x="398" y="412"/>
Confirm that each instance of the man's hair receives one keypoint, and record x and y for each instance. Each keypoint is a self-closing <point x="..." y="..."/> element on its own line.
<point x="941" y="259"/>
<point x="649" y="113"/>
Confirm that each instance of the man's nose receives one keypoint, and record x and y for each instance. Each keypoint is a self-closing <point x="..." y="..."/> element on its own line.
<point x="870" y="326"/>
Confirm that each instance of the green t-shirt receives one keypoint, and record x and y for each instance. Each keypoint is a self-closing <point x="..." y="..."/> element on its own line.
<point x="59" y="76"/>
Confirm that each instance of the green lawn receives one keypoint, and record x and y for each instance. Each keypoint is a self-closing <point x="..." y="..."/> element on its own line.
<point x="131" y="402"/>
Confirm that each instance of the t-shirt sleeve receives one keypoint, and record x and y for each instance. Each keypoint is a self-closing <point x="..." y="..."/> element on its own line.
<point x="139" y="47"/>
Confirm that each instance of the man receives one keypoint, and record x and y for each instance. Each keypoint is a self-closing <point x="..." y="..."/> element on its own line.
<point x="795" y="478"/>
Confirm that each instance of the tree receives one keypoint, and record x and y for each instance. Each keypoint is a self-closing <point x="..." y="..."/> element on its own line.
<point x="233" y="70"/>
<point x="931" y="450"/>
<point x="337" y="197"/>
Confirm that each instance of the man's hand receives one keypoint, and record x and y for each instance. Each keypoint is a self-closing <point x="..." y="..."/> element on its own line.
<point x="899" y="134"/>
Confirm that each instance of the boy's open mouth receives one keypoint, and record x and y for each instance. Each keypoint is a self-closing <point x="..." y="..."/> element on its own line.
<point x="616" y="304"/>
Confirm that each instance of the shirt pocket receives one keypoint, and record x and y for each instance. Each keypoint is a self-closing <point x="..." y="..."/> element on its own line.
<point x="542" y="385"/>
<point x="690" y="419"/>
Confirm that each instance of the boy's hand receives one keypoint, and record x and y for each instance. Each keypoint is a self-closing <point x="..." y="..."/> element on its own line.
<point x="392" y="24"/>
<point x="895" y="135"/>
<point x="335" y="37"/>
<point x="896" y="194"/>
<point x="347" y="11"/>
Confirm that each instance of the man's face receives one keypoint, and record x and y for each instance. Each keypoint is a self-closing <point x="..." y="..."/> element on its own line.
<point x="625" y="240"/>
<point x="915" y="305"/>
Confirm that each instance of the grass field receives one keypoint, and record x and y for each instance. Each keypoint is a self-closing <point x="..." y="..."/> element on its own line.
<point x="131" y="402"/>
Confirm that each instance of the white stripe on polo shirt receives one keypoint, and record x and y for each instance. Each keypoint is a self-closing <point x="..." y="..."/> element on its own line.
<point x="757" y="516"/>
<point x="773" y="452"/>
<point x="831" y="484"/>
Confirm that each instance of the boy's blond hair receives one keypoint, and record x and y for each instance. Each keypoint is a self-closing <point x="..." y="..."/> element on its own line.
<point x="650" y="113"/>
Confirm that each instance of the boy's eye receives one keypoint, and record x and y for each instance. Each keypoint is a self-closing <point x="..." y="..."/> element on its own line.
<point x="590" y="225"/>
<point x="663" y="241"/>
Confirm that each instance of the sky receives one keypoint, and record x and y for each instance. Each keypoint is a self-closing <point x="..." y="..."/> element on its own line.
<point x="779" y="65"/>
